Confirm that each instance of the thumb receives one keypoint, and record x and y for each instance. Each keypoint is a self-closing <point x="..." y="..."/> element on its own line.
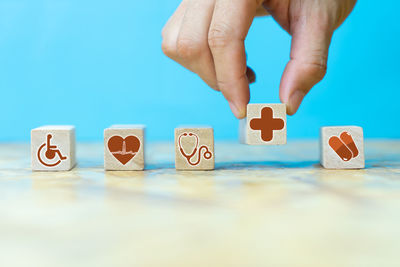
<point x="307" y="65"/>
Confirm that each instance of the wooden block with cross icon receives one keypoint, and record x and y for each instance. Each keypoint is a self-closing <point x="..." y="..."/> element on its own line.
<point x="194" y="148"/>
<point x="265" y="124"/>
<point x="53" y="148"/>
<point x="342" y="147"/>
<point x="124" y="148"/>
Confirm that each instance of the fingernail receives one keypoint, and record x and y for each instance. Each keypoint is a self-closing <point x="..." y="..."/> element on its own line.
<point x="251" y="75"/>
<point x="294" y="101"/>
<point x="239" y="113"/>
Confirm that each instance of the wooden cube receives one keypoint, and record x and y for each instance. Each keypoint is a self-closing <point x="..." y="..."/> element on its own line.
<point x="265" y="124"/>
<point x="194" y="148"/>
<point x="124" y="148"/>
<point x="342" y="147"/>
<point x="53" y="148"/>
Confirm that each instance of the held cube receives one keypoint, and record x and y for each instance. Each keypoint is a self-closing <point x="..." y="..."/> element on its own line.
<point x="124" y="148"/>
<point x="53" y="148"/>
<point x="342" y="147"/>
<point x="194" y="148"/>
<point x="265" y="124"/>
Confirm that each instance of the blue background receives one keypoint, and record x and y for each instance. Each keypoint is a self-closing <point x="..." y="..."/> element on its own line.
<point x="97" y="63"/>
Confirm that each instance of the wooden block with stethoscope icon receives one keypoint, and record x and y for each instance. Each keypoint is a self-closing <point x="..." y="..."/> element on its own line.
<point x="124" y="148"/>
<point x="194" y="148"/>
<point x="53" y="148"/>
<point x="342" y="147"/>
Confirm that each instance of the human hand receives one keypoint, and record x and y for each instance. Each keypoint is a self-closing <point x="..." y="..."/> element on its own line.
<point x="207" y="37"/>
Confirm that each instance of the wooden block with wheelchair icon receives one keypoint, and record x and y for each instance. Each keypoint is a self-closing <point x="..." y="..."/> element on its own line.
<point x="194" y="148"/>
<point x="53" y="148"/>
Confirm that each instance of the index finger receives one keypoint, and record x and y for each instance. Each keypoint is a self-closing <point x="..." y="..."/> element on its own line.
<point x="229" y="27"/>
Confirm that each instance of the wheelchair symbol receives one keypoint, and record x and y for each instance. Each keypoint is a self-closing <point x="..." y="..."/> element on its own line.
<point x="47" y="154"/>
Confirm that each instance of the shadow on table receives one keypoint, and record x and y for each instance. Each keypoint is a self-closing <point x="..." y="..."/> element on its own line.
<point x="314" y="164"/>
<point x="266" y="165"/>
<point x="382" y="163"/>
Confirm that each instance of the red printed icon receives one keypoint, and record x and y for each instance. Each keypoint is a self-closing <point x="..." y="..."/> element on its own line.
<point x="267" y="124"/>
<point x="47" y="156"/>
<point x="124" y="149"/>
<point x="195" y="151"/>
<point x="344" y="146"/>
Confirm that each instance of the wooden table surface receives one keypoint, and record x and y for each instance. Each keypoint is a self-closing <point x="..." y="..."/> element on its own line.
<point x="262" y="206"/>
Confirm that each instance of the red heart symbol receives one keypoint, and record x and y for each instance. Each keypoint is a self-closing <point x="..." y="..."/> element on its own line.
<point x="124" y="149"/>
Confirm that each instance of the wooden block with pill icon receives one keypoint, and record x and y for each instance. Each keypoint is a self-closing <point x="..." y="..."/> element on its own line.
<point x="124" y="148"/>
<point x="342" y="147"/>
<point x="265" y="124"/>
<point x="194" y="148"/>
<point x="53" y="148"/>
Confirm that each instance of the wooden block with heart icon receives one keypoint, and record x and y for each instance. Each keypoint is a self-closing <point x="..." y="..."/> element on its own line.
<point x="53" y="148"/>
<point x="342" y="147"/>
<point x="194" y="148"/>
<point x="124" y="148"/>
<point x="265" y="124"/>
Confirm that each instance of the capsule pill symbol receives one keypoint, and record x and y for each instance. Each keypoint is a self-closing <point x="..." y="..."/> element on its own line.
<point x="344" y="146"/>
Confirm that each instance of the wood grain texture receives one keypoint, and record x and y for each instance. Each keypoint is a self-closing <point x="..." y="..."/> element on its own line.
<point x="250" y="136"/>
<point x="261" y="206"/>
<point x="137" y="162"/>
<point x="331" y="159"/>
<point x="62" y="142"/>
<point x="194" y="148"/>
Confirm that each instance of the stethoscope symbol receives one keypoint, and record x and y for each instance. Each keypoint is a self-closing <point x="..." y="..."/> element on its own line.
<point x="196" y="150"/>
<point x="48" y="158"/>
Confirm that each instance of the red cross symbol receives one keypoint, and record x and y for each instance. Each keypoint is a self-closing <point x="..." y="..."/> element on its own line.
<point x="267" y="124"/>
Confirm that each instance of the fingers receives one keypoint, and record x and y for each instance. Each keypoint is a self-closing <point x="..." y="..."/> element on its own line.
<point x="207" y="37"/>
<point x="170" y="31"/>
<point x="251" y="75"/>
<point x="192" y="45"/>
<point x="229" y="26"/>
<point x="261" y="11"/>
<point x="308" y="62"/>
